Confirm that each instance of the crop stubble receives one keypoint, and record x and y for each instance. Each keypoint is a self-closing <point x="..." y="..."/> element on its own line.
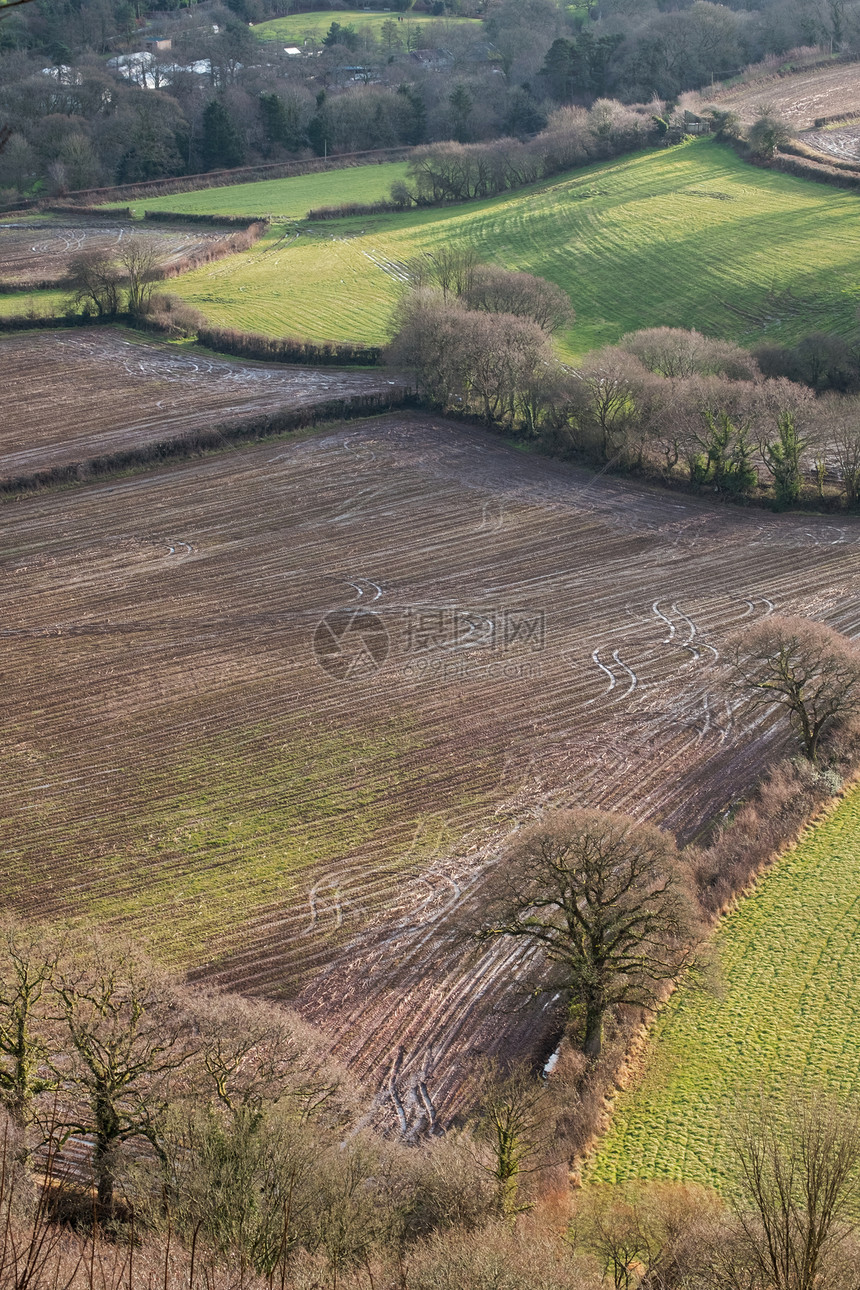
<point x="181" y="764"/>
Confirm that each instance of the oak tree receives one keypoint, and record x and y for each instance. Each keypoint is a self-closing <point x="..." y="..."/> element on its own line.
<point x="810" y="670"/>
<point x="604" y="898"/>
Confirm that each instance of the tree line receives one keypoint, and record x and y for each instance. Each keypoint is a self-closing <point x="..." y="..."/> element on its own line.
<point x="663" y="402"/>
<point x="221" y="98"/>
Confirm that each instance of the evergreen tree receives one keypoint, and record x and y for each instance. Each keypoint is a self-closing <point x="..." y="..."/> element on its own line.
<point x="221" y="146"/>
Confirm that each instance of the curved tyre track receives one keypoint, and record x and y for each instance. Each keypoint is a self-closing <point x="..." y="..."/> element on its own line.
<point x="180" y="764"/>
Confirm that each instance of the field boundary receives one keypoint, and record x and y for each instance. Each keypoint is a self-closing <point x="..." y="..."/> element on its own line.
<point x="631" y="1066"/>
<point x="219" y="437"/>
<point x="241" y="175"/>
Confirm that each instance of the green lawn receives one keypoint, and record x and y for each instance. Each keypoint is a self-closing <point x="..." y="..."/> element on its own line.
<point x="44" y="302"/>
<point x="785" y="1007"/>
<point x="282" y="198"/>
<point x="313" y="26"/>
<point x="687" y="237"/>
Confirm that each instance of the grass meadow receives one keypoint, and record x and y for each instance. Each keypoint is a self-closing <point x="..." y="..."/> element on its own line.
<point x="689" y="237"/>
<point x="282" y="199"/>
<point x="296" y="28"/>
<point x="780" y="1004"/>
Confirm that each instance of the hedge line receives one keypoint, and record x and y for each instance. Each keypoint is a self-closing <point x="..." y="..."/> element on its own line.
<point x="288" y="349"/>
<point x="121" y="212"/>
<point x="195" y="442"/>
<point x="244" y="222"/>
<point x="242" y="175"/>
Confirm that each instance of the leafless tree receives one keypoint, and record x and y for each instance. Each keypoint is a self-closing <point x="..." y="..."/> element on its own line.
<point x="30" y="957"/>
<point x="674" y="352"/>
<point x="503" y="291"/>
<point x="513" y="1117"/>
<point x="796" y="1212"/>
<point x="94" y="279"/>
<point x="251" y="1055"/>
<point x="812" y="671"/>
<point x="127" y="1035"/>
<point x="139" y="259"/>
<point x="603" y="896"/>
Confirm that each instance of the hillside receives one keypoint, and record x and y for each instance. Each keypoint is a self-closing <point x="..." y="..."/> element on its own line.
<point x="288" y="198"/>
<point x="298" y="27"/>
<point x="691" y="237"/>
<point x="782" y="1006"/>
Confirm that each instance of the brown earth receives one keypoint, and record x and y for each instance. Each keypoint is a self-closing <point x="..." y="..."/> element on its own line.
<point x="800" y="98"/>
<point x="179" y="761"/>
<point x="39" y="250"/>
<point x="842" y="142"/>
<point x="73" y="396"/>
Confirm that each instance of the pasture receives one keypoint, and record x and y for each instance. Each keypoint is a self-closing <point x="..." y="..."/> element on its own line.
<point x="283" y="199"/>
<point x="687" y="237"/>
<point x="300" y="811"/>
<point x="782" y="1008"/>
<point x="413" y="31"/>
<point x="122" y="392"/>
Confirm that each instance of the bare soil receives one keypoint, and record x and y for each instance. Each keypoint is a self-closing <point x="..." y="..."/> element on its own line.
<point x="842" y="142"/>
<point x="73" y="396"/>
<point x="800" y="98"/>
<point x="179" y="761"/>
<point x="39" y="250"/>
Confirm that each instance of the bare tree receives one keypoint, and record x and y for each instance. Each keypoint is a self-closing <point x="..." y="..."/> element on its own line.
<point x="603" y="896"/>
<point x="94" y="279"/>
<point x="139" y="258"/>
<point x="797" y="1211"/>
<point x="127" y="1038"/>
<point x="252" y="1054"/>
<point x="29" y="961"/>
<point x="503" y="291"/>
<point x="514" y="1120"/>
<point x="674" y="352"/>
<point x="812" y="671"/>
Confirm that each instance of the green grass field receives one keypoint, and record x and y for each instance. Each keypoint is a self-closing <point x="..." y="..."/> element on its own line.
<point x="689" y="237"/>
<point x="313" y="26"/>
<point x="282" y="198"/>
<point x="46" y="302"/>
<point x="785" y="1007"/>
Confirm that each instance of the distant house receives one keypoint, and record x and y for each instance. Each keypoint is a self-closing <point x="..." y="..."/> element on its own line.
<point x="292" y="52"/>
<point x="157" y="44"/>
<point x="433" y="58"/>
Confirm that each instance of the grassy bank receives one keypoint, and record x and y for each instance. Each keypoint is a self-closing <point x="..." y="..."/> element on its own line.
<point x="782" y="1006"/>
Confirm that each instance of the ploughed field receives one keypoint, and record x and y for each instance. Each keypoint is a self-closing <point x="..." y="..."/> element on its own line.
<point x="276" y="710"/>
<point x="780" y="1009"/>
<point x="800" y="98"/>
<point x="78" y="395"/>
<point x="38" y="249"/>
<point x="710" y="242"/>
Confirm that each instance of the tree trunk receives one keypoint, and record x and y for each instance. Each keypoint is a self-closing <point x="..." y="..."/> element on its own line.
<point x="593" y="1041"/>
<point x="103" y="1166"/>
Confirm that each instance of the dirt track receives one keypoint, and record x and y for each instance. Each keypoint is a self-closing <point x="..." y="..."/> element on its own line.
<point x="73" y="396"/>
<point x="180" y="762"/>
